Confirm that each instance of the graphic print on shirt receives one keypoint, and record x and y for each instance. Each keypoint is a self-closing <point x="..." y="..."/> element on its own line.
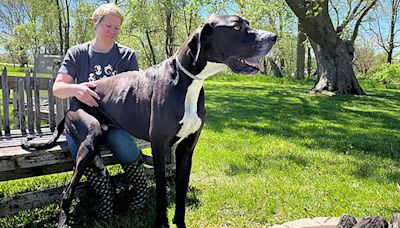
<point x="97" y="70"/>
<point x="92" y="77"/>
<point x="108" y="70"/>
<point x="99" y="73"/>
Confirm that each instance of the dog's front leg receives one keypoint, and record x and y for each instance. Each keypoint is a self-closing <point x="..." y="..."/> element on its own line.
<point x="159" y="153"/>
<point x="183" y="154"/>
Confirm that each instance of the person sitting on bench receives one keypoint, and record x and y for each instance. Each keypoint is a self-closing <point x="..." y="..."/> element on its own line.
<point x="84" y="63"/>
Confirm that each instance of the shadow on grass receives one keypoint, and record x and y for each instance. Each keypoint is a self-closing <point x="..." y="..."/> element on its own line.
<point x="364" y="126"/>
<point x="255" y="164"/>
<point x="84" y="212"/>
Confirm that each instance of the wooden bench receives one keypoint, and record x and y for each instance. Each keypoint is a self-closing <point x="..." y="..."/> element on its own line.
<point x="16" y="163"/>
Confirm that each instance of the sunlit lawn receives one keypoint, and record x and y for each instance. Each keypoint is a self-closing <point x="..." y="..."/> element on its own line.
<point x="270" y="153"/>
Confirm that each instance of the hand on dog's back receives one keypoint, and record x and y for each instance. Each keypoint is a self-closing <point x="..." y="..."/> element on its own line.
<point x="86" y="95"/>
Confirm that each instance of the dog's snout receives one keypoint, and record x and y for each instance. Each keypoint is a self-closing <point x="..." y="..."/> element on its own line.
<point x="265" y="36"/>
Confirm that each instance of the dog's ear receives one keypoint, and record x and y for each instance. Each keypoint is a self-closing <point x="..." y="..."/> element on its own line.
<point x="194" y="43"/>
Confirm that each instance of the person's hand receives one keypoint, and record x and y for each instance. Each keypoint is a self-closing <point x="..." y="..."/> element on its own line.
<point x="86" y="95"/>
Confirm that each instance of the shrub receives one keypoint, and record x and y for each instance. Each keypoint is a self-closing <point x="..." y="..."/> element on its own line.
<point x="385" y="74"/>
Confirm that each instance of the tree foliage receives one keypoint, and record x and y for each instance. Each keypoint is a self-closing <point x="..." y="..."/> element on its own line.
<point x="364" y="56"/>
<point x="157" y="36"/>
<point x="386" y="74"/>
<point x="42" y="27"/>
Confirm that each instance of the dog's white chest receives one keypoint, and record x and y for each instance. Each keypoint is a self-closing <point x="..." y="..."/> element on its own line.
<point x="191" y="121"/>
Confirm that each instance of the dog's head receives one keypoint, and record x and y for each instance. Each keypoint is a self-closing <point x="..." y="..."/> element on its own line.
<point x="229" y="39"/>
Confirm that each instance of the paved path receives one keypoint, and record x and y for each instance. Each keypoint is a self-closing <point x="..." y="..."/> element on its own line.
<point x="318" y="222"/>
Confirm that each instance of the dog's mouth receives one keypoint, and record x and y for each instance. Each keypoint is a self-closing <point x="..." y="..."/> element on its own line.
<point x="244" y="65"/>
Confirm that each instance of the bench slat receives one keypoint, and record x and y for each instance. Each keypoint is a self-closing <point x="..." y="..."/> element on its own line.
<point x="16" y="162"/>
<point x="61" y="166"/>
<point x="20" y="162"/>
<point x="16" y="141"/>
<point x="36" y="199"/>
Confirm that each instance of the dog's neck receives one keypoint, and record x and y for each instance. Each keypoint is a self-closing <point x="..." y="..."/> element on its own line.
<point x="199" y="71"/>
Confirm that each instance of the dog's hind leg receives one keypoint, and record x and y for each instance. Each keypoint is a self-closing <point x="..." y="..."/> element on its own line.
<point x="183" y="155"/>
<point x="85" y="129"/>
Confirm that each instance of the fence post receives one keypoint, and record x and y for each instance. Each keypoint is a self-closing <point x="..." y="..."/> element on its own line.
<point x="37" y="103"/>
<point x="1" y="119"/>
<point x="15" y="107"/>
<point x="59" y="109"/>
<point x="29" y="102"/>
<point x="21" y="101"/>
<point x="52" y="122"/>
<point x="6" y="102"/>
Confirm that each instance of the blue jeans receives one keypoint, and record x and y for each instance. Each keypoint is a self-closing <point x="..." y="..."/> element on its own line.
<point x="120" y="142"/>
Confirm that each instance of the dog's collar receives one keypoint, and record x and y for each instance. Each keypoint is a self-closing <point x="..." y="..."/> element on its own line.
<point x="211" y="68"/>
<point x="194" y="77"/>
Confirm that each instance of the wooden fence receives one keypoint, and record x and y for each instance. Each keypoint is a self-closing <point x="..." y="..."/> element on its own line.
<point x="30" y="108"/>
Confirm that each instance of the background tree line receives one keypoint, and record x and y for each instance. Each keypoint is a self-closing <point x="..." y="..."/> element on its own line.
<point x="322" y="39"/>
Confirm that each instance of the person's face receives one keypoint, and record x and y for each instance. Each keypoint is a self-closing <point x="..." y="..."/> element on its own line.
<point x="108" y="28"/>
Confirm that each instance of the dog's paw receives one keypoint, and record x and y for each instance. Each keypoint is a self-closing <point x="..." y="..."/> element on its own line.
<point x="25" y="144"/>
<point x="162" y="223"/>
<point x="62" y="222"/>
<point x="179" y="224"/>
<point x="30" y="137"/>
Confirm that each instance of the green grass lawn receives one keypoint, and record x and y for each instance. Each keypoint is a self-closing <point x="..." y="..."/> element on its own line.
<point x="271" y="153"/>
<point x="19" y="71"/>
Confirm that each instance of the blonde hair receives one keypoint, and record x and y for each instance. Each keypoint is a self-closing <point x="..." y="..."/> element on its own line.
<point x="106" y="9"/>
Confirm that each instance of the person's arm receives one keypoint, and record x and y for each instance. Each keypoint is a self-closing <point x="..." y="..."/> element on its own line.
<point x="64" y="87"/>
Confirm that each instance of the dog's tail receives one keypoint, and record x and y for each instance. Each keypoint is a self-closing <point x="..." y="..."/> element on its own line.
<point x="28" y="145"/>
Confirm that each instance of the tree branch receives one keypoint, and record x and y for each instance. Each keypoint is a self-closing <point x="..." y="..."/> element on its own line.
<point x="358" y="23"/>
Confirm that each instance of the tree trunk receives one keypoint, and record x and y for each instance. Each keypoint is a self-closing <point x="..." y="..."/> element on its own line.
<point x="152" y="53"/>
<point x="265" y="64"/>
<point x="389" y="56"/>
<point x="335" y="70"/>
<point x="392" y="33"/>
<point x="282" y="64"/>
<point x="301" y="52"/>
<point x="146" y="54"/>
<point x="275" y="69"/>
<point x="60" y="31"/>
<point x="334" y="55"/>
<point x="188" y="19"/>
<point x="67" y="26"/>
<point x="169" y="31"/>
<point x="13" y="59"/>
<point x="309" y="61"/>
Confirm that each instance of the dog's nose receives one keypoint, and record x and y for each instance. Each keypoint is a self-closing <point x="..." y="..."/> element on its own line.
<point x="272" y="38"/>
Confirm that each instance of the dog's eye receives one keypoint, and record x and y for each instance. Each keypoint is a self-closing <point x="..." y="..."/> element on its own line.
<point x="237" y="27"/>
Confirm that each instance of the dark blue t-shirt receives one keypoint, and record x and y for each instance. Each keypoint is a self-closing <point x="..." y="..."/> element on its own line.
<point x="84" y="64"/>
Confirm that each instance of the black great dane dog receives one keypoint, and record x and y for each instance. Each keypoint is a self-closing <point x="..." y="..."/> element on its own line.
<point x="163" y="104"/>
